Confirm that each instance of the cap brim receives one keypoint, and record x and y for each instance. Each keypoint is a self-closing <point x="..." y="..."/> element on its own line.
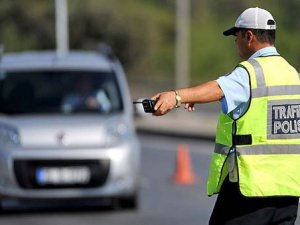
<point x="230" y="31"/>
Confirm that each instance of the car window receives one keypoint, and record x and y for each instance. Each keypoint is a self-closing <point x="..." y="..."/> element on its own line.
<point x="65" y="92"/>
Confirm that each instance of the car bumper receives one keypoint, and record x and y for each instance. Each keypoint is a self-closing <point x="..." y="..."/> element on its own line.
<point x="122" y="177"/>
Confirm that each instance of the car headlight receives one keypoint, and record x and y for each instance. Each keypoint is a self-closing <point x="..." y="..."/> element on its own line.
<point x="116" y="132"/>
<point x="9" y="137"/>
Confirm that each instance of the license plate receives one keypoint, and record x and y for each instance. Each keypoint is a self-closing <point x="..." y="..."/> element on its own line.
<point x="63" y="175"/>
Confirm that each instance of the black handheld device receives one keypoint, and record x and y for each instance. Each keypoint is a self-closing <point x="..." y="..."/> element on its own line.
<point x="148" y="105"/>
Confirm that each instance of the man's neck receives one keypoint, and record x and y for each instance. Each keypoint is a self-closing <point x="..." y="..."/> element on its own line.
<point x="259" y="46"/>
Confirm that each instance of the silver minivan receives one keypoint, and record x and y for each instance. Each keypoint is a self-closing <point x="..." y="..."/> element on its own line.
<point x="66" y="129"/>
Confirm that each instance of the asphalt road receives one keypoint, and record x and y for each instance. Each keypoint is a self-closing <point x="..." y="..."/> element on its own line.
<point x="162" y="201"/>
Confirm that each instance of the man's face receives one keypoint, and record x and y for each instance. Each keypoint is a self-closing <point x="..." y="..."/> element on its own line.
<point x="242" y="45"/>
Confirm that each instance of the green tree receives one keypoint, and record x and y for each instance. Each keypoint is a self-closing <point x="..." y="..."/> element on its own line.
<point x="142" y="32"/>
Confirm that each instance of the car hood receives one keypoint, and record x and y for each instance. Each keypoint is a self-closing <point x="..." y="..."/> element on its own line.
<point x="62" y="131"/>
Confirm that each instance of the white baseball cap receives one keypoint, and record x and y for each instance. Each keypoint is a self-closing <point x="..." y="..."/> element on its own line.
<point x="253" y="18"/>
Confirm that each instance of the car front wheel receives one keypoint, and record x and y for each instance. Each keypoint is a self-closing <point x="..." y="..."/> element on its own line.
<point x="130" y="202"/>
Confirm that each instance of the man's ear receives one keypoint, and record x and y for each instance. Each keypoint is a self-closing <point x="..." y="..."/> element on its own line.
<point x="249" y="35"/>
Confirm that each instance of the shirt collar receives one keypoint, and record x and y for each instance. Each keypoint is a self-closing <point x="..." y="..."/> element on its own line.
<point x="267" y="51"/>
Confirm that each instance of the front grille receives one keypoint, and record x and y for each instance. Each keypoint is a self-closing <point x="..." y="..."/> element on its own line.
<point x="27" y="178"/>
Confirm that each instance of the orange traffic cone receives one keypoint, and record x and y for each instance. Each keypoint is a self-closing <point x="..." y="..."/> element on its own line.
<point x="184" y="173"/>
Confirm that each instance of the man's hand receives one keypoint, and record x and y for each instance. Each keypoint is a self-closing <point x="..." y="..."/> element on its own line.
<point x="189" y="107"/>
<point x="165" y="102"/>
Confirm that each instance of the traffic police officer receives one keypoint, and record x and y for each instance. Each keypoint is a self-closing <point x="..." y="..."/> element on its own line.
<point x="256" y="163"/>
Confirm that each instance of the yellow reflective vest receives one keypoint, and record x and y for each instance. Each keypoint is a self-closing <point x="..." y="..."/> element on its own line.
<point x="265" y="140"/>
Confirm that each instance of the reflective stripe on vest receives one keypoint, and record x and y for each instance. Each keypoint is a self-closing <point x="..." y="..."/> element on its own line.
<point x="263" y="90"/>
<point x="260" y="78"/>
<point x="276" y="90"/>
<point x="267" y="136"/>
<point x="260" y="149"/>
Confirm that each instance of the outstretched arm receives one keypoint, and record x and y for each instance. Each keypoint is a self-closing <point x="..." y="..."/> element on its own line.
<point x="203" y="93"/>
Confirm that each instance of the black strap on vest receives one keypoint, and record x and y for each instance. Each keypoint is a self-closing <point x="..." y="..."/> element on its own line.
<point x="242" y="139"/>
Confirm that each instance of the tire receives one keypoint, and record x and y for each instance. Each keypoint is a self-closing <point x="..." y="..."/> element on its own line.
<point x="2" y="210"/>
<point x="123" y="203"/>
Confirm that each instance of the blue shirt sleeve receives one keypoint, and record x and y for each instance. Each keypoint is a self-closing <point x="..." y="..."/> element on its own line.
<point x="236" y="89"/>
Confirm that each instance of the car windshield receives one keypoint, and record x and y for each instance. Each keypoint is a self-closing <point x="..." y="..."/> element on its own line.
<point x="64" y="92"/>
